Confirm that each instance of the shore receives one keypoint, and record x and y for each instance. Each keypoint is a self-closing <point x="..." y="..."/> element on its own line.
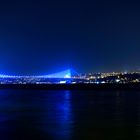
<point x="130" y="86"/>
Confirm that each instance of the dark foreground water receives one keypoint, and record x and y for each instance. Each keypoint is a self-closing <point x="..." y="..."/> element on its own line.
<point x="69" y="115"/>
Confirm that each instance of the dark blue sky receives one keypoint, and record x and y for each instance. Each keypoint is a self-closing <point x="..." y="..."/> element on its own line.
<point x="37" y="37"/>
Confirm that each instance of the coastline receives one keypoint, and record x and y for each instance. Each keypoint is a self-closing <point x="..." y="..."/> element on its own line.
<point x="128" y="86"/>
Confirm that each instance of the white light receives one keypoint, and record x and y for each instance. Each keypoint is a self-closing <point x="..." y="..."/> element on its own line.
<point x="117" y="80"/>
<point x="67" y="76"/>
<point x="97" y="82"/>
<point x="62" y="82"/>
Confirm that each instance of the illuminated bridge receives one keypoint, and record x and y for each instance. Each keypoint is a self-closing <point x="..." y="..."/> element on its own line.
<point x="60" y="77"/>
<point x="62" y="74"/>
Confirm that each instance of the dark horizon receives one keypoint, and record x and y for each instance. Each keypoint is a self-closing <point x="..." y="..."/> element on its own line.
<point x="38" y="37"/>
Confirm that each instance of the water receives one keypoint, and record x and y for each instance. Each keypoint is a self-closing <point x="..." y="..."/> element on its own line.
<point x="69" y="115"/>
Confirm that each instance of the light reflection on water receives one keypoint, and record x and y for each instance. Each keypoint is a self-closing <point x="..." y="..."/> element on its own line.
<point x="69" y="115"/>
<point x="37" y="115"/>
<point x="59" y="115"/>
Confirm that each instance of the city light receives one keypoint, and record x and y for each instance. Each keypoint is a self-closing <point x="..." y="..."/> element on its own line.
<point x="67" y="77"/>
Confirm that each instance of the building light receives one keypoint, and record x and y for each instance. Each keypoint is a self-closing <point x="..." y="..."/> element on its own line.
<point x="117" y="80"/>
<point x="62" y="82"/>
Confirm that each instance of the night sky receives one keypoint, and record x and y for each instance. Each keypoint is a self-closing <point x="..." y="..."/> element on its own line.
<point x="39" y="37"/>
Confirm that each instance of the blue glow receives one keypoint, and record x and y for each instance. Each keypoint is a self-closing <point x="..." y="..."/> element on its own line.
<point x="60" y="114"/>
<point x="62" y="74"/>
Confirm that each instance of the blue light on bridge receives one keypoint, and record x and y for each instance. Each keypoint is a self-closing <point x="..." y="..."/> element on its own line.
<point x="62" y="74"/>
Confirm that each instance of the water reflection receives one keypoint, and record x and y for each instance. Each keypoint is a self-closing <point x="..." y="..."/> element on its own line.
<point x="3" y="115"/>
<point x="59" y="115"/>
<point x="37" y="115"/>
<point x="138" y="120"/>
<point x="69" y="115"/>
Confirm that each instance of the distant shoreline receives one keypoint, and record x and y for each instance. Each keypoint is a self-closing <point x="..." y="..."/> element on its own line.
<point x="129" y="86"/>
